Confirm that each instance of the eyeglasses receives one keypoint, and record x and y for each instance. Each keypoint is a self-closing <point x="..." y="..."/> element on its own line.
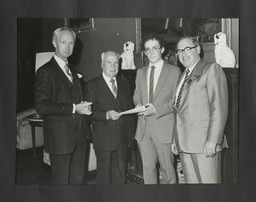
<point x="186" y="50"/>
<point x="154" y="50"/>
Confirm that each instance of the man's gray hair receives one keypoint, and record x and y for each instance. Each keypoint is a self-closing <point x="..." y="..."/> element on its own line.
<point x="195" y="39"/>
<point x="103" y="54"/>
<point x="61" y="29"/>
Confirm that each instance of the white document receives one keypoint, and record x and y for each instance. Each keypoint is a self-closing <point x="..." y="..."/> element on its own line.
<point x="135" y="110"/>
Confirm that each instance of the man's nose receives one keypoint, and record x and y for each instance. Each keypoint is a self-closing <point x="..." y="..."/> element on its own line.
<point x="151" y="51"/>
<point x="113" y="65"/>
<point x="183" y="52"/>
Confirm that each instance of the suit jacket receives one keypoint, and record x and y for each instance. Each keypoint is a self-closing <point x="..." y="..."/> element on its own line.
<point x="203" y="109"/>
<point x="107" y="135"/>
<point x="162" y="123"/>
<point x="54" y="99"/>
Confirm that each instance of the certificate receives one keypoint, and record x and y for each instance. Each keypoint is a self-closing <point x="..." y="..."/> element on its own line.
<point x="135" y="110"/>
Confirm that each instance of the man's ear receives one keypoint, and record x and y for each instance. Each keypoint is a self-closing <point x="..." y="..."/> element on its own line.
<point x="102" y="58"/>
<point x="198" y="49"/>
<point x="162" y="50"/>
<point x="54" y="43"/>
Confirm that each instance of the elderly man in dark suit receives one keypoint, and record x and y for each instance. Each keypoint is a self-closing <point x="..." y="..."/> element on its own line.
<point x="58" y="98"/>
<point x="111" y="132"/>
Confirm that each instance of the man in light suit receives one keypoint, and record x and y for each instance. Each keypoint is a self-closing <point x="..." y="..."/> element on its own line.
<point x="58" y="98"/>
<point x="155" y="88"/>
<point x="111" y="132"/>
<point x="201" y="105"/>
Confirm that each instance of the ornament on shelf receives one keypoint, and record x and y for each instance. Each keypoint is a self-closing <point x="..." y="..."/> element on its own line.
<point x="224" y="56"/>
<point x="127" y="56"/>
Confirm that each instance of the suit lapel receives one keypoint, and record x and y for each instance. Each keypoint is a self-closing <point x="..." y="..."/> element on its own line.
<point x="60" y="73"/>
<point x="161" y="81"/>
<point x="144" y="82"/>
<point x="121" y="90"/>
<point x="106" y="89"/>
<point x="119" y="87"/>
<point x="196" y="73"/>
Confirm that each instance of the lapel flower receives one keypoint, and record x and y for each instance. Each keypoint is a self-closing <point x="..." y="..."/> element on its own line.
<point x="194" y="78"/>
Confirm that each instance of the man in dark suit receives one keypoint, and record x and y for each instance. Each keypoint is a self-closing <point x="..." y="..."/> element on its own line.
<point x="155" y="88"/>
<point x="111" y="132"/>
<point x="201" y="113"/>
<point x="58" y="98"/>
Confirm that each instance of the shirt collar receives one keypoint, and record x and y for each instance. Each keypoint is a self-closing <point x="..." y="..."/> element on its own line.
<point x="107" y="79"/>
<point x="157" y="64"/>
<point x="60" y="62"/>
<point x="191" y="68"/>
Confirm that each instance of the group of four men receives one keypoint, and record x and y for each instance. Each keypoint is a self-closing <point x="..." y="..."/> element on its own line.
<point x="184" y="114"/>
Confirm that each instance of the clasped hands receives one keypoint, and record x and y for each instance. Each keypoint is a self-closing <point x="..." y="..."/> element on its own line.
<point x="84" y="108"/>
<point x="150" y="110"/>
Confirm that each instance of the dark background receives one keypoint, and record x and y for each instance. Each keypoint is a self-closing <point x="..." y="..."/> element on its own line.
<point x="11" y="10"/>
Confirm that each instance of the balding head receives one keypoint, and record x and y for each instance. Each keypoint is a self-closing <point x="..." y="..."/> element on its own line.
<point x="110" y="63"/>
<point x="107" y="54"/>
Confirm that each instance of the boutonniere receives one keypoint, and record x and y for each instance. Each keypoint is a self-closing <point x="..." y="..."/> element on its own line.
<point x="194" y="79"/>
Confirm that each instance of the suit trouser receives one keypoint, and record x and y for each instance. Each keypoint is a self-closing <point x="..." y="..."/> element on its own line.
<point x="199" y="169"/>
<point x="152" y="150"/>
<point x="111" y="166"/>
<point x="70" y="168"/>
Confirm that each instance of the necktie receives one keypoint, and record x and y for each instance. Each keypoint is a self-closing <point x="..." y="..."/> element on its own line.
<point x="151" y="84"/>
<point x="68" y="72"/>
<point x="114" y="89"/>
<point x="181" y="88"/>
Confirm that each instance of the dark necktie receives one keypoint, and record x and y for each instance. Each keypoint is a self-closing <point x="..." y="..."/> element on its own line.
<point x="114" y="89"/>
<point x="181" y="88"/>
<point x="68" y="72"/>
<point x="151" y="84"/>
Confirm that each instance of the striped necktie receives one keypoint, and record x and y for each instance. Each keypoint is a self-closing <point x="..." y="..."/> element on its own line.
<point x="114" y="88"/>
<point x="68" y="72"/>
<point x="181" y="88"/>
<point x="151" y="84"/>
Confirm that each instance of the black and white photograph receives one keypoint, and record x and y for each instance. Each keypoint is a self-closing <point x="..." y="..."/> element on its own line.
<point x="127" y="101"/>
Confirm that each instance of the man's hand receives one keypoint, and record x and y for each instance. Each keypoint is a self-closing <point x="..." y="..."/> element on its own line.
<point x="150" y="110"/>
<point x="209" y="149"/>
<point x="113" y="115"/>
<point x="84" y="108"/>
<point x="139" y="105"/>
<point x="174" y="148"/>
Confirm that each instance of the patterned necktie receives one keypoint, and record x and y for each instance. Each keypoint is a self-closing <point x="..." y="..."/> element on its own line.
<point x="181" y="88"/>
<point x="151" y="84"/>
<point x="68" y="72"/>
<point x="114" y="89"/>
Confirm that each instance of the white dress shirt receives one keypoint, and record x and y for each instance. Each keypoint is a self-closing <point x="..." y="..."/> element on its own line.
<point x="158" y="69"/>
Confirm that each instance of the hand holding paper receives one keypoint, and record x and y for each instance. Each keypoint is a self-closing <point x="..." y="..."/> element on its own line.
<point x="135" y="110"/>
<point x="150" y="110"/>
<point x="145" y="110"/>
<point x="113" y="115"/>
